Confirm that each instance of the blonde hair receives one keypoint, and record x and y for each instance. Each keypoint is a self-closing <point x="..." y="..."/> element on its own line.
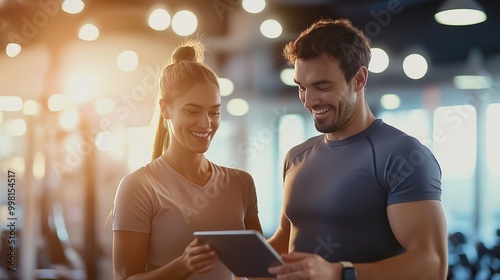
<point x="186" y="69"/>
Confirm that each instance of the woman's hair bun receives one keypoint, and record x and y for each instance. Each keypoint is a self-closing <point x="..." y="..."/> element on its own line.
<point x="189" y="51"/>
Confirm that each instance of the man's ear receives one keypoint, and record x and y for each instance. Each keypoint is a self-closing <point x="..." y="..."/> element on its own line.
<point x="163" y="108"/>
<point x="360" y="79"/>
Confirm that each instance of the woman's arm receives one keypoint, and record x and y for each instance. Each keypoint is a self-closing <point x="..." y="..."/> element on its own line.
<point x="281" y="236"/>
<point x="130" y="255"/>
<point x="253" y="223"/>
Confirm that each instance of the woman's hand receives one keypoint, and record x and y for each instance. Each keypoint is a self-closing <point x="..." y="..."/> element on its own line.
<point x="199" y="258"/>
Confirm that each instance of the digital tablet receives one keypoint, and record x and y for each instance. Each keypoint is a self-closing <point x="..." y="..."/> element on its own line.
<point x="245" y="252"/>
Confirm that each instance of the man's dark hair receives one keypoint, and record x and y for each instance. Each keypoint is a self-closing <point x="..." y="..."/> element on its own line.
<point x="338" y="38"/>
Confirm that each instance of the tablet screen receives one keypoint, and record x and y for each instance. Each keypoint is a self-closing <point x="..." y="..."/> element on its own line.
<point x="245" y="252"/>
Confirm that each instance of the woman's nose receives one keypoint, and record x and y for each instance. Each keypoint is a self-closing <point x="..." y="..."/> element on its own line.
<point x="205" y="121"/>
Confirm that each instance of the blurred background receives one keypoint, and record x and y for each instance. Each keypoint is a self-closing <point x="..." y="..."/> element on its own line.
<point x="78" y="92"/>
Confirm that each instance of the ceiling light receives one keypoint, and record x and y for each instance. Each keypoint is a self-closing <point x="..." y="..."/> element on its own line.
<point x="159" y="19"/>
<point x="286" y="77"/>
<point x="12" y="103"/>
<point x="226" y="86"/>
<point x="271" y="28"/>
<point x="184" y="23"/>
<point x="460" y="12"/>
<point x="127" y="61"/>
<point x="88" y="32"/>
<point x="254" y="6"/>
<point x="379" y="61"/>
<point x="415" y="66"/>
<point x="73" y="6"/>
<point x="474" y="76"/>
<point x="13" y="49"/>
<point x="390" y="101"/>
<point x="237" y="107"/>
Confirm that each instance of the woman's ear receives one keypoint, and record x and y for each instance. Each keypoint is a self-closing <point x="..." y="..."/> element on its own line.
<point x="360" y="79"/>
<point x="163" y="108"/>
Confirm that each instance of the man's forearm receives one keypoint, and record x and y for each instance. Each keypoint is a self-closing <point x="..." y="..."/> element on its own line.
<point x="416" y="264"/>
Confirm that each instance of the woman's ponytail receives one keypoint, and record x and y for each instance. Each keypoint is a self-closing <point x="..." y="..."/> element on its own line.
<point x="161" y="140"/>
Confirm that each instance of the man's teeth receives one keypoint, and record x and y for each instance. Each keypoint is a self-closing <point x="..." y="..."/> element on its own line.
<point x="200" y="134"/>
<point x="319" y="112"/>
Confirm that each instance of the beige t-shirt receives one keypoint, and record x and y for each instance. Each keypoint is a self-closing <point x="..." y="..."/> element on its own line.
<point x="155" y="199"/>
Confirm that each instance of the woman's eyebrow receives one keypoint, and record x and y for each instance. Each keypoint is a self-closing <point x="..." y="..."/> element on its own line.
<point x="199" y="106"/>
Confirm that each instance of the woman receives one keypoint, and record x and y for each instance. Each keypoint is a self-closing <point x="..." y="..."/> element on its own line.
<point x="159" y="206"/>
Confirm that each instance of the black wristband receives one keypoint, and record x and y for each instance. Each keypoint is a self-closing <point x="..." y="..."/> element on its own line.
<point x="348" y="271"/>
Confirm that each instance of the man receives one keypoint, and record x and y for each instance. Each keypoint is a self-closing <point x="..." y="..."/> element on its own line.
<point x="362" y="200"/>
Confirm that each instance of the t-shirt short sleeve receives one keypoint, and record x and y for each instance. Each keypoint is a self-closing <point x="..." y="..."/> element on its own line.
<point x="250" y="194"/>
<point x="133" y="205"/>
<point x="412" y="173"/>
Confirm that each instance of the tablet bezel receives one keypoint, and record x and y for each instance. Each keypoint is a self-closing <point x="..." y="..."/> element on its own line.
<point x="245" y="252"/>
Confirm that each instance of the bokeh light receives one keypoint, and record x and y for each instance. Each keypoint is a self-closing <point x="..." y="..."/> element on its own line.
<point x="88" y="32"/>
<point x="271" y="28"/>
<point x="184" y="23"/>
<point x="379" y="61"/>
<point x="254" y="6"/>
<point x="237" y="107"/>
<point x="127" y="61"/>
<point x="415" y="66"/>
<point x="159" y="19"/>
<point x="13" y="49"/>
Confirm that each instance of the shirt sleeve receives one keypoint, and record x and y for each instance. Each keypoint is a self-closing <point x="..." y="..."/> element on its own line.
<point x="412" y="173"/>
<point x="133" y="206"/>
<point x="250" y="194"/>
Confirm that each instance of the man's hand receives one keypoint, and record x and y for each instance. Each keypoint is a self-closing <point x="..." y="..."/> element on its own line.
<point x="305" y="266"/>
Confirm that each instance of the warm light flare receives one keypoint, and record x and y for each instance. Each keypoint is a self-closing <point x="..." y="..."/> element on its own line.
<point x="31" y="107"/>
<point x="73" y="6"/>
<point x="184" y="23"/>
<point x="81" y="84"/>
<point x="15" y="127"/>
<point x="69" y="119"/>
<point x="271" y="28"/>
<point x="254" y="6"/>
<point x="39" y="165"/>
<point x="159" y="19"/>
<point x="11" y="103"/>
<point x="127" y="61"/>
<point x="14" y="163"/>
<point x="88" y="32"/>
<point x="58" y="102"/>
<point x="13" y="49"/>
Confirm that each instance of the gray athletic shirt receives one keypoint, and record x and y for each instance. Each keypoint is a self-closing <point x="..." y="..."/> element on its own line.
<point x="157" y="200"/>
<point x="336" y="193"/>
